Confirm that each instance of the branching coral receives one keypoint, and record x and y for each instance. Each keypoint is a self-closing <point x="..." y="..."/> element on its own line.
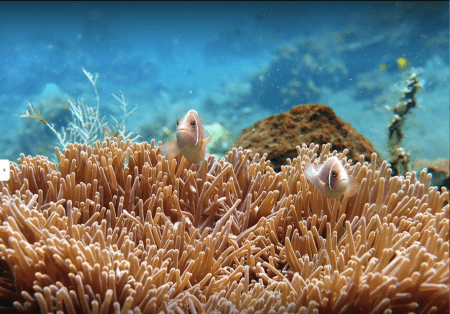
<point x="87" y="126"/>
<point x="120" y="228"/>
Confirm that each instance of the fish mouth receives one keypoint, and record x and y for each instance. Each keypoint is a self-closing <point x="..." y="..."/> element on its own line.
<point x="182" y="129"/>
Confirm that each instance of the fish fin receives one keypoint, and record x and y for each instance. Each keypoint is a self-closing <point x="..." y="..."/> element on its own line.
<point x="171" y="149"/>
<point x="311" y="176"/>
<point x="204" y="142"/>
<point x="309" y="171"/>
<point x="353" y="186"/>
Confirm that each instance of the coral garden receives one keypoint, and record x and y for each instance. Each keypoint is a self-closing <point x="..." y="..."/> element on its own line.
<point x="119" y="228"/>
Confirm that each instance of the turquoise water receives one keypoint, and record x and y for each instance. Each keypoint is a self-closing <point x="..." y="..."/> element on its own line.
<point x="233" y="62"/>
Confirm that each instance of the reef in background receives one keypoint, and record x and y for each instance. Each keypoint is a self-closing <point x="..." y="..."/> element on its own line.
<point x="278" y="135"/>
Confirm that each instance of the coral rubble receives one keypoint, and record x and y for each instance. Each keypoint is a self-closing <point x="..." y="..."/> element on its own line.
<point x="120" y="228"/>
<point x="278" y="135"/>
<point x="439" y="168"/>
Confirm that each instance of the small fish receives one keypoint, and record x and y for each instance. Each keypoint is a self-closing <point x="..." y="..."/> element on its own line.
<point x="331" y="178"/>
<point x="191" y="140"/>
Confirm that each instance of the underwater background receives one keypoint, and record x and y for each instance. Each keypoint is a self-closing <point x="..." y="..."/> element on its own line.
<point x="235" y="63"/>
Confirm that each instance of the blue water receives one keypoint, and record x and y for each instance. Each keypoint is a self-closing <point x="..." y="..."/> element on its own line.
<point x="234" y="62"/>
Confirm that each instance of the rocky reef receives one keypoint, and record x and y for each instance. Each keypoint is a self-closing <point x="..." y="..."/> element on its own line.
<point x="278" y="135"/>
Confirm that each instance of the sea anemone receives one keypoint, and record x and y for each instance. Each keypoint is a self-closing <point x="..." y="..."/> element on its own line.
<point x="119" y="228"/>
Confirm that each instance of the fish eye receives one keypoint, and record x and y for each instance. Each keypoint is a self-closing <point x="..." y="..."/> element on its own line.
<point x="333" y="173"/>
<point x="193" y="124"/>
<point x="177" y="121"/>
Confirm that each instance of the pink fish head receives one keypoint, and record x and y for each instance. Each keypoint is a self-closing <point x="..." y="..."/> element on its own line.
<point x="337" y="177"/>
<point x="190" y="130"/>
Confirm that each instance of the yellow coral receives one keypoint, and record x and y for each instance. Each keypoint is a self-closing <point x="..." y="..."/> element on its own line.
<point x="403" y="63"/>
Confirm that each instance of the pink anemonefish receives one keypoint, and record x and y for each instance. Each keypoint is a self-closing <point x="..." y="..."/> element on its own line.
<point x="331" y="178"/>
<point x="191" y="140"/>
